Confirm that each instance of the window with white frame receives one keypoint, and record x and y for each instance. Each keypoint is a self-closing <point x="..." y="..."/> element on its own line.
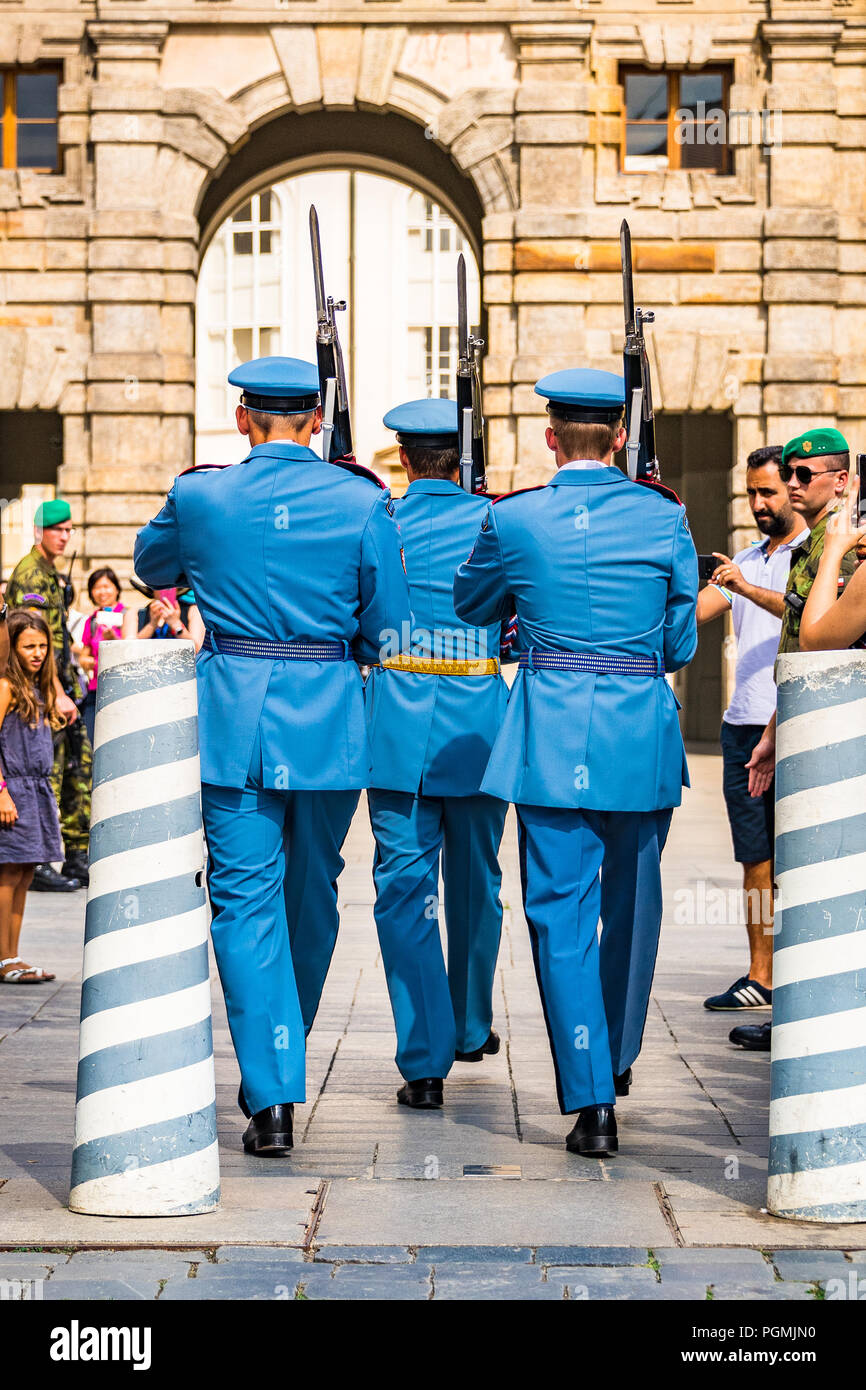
<point x="243" y="292"/>
<point x="435" y="241"/>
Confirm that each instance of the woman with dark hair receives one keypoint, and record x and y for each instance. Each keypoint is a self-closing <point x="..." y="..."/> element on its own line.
<point x="109" y="620"/>
<point x="29" y="820"/>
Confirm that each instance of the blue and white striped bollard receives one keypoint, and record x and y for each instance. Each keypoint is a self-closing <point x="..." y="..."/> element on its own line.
<point x="145" y="1117"/>
<point x="817" y="1169"/>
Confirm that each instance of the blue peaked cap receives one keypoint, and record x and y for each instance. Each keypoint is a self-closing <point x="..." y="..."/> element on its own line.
<point x="430" y="424"/>
<point x="278" y="385"/>
<point x="580" y="393"/>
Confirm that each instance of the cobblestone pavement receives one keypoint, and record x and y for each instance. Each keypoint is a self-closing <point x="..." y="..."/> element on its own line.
<point x="479" y="1200"/>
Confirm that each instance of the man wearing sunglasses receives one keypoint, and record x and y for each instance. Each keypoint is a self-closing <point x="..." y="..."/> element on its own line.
<point x="815" y="468"/>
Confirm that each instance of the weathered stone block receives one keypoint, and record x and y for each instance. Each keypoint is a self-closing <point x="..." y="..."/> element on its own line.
<point x="178" y="289"/>
<point x="126" y="286"/>
<point x="551" y="176"/>
<point x="801" y="286"/>
<point x="124" y="439"/>
<point x="786" y="254"/>
<point x="800" y="327"/>
<point x="126" y="255"/>
<point x="801" y="398"/>
<point x="799" y="366"/>
<point x="339" y="63"/>
<point x="552" y="96"/>
<point x="800" y="222"/>
<point x="498" y="289"/>
<point x="125" y="96"/>
<point x="498" y="255"/>
<point x="192" y="138"/>
<point x="110" y="540"/>
<point x="720" y="289"/>
<point x="51" y="287"/>
<point x="127" y="127"/>
<point x="65" y="255"/>
<point x="542" y="328"/>
<point x="126" y="177"/>
<point x="119" y="509"/>
<point x="552" y="128"/>
<point x="126" y="327"/>
<point x="176" y="333"/>
<point x="136" y="396"/>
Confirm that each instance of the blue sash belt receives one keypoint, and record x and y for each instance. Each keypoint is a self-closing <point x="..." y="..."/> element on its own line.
<point x="276" y="651"/>
<point x="538" y="659"/>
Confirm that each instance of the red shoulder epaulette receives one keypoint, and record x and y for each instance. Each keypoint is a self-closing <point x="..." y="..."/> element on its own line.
<point x="501" y="497"/>
<point x="660" y="488"/>
<point x="359" y="470"/>
<point x="202" y="468"/>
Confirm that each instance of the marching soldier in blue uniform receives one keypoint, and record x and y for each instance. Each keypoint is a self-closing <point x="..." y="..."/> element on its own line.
<point x="604" y="575"/>
<point x="296" y="568"/>
<point x="433" y="715"/>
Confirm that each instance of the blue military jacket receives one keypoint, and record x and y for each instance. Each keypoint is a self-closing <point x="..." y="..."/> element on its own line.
<point x="595" y="563"/>
<point x="433" y="733"/>
<point x="286" y="547"/>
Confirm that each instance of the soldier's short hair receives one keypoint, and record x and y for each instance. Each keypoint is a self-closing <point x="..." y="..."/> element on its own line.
<point x="832" y="462"/>
<point x="578" y="440"/>
<point x="431" y="463"/>
<point x="266" y="422"/>
<point x="770" y="453"/>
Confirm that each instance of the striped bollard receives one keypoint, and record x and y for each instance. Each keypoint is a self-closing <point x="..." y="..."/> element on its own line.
<point x="817" y="1168"/>
<point x="145" y="1115"/>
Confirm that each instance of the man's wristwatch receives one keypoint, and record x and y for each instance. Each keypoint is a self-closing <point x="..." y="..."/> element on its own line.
<point x="3" y="611"/>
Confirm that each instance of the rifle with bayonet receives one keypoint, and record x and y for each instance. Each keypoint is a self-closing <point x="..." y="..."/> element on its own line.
<point x="336" y="426"/>
<point x="470" y="419"/>
<point x="639" y="421"/>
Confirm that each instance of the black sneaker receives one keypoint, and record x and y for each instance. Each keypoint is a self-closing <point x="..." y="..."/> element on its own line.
<point x="743" y="994"/>
<point x="46" y="879"/>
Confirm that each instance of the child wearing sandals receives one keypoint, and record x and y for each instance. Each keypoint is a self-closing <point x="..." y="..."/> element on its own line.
<point x="29" y="820"/>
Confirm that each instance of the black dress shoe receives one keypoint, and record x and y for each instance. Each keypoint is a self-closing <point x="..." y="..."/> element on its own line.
<point x="754" y="1037"/>
<point x="594" y="1134"/>
<point x="270" y="1131"/>
<point x="490" y="1048"/>
<point x="76" y="865"/>
<point x="245" y="1109"/>
<point x="622" y="1083"/>
<point x="425" y="1094"/>
<point x="46" y="879"/>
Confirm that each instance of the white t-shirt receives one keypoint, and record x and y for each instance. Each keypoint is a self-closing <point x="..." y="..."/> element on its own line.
<point x="757" y="631"/>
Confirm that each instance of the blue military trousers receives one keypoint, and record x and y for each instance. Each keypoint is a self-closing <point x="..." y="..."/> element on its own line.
<point x="578" y="866"/>
<point x="437" y="1010"/>
<point x="273" y="863"/>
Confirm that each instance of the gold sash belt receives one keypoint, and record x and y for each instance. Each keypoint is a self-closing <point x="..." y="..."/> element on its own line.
<point x="433" y="666"/>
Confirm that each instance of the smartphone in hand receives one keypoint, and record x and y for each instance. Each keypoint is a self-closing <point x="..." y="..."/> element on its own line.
<point x="707" y="566"/>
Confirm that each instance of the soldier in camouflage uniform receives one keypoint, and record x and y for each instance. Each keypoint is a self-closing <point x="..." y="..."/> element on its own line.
<point x="36" y="584"/>
<point x="815" y="498"/>
<point x="815" y="468"/>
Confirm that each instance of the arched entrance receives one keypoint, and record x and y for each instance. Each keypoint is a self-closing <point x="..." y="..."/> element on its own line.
<point x="388" y="247"/>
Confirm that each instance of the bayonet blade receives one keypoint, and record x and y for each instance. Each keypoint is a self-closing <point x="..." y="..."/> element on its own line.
<point x="318" y="273"/>
<point x="462" y="309"/>
<point x="627" y="275"/>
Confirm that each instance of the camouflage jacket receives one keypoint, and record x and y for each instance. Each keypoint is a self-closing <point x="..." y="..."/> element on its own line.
<point x="804" y="568"/>
<point x="35" y="583"/>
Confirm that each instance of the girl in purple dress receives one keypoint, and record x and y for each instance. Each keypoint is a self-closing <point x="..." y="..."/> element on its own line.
<point x="29" y="819"/>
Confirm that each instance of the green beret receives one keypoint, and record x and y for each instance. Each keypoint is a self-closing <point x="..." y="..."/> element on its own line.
<point x="814" y="443"/>
<point x="52" y="513"/>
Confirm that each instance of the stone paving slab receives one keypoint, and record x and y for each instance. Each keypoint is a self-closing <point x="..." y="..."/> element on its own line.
<point x="278" y="1209"/>
<point x="452" y="1213"/>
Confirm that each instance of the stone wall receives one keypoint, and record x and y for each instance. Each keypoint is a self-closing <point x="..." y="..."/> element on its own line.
<point x="757" y="278"/>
